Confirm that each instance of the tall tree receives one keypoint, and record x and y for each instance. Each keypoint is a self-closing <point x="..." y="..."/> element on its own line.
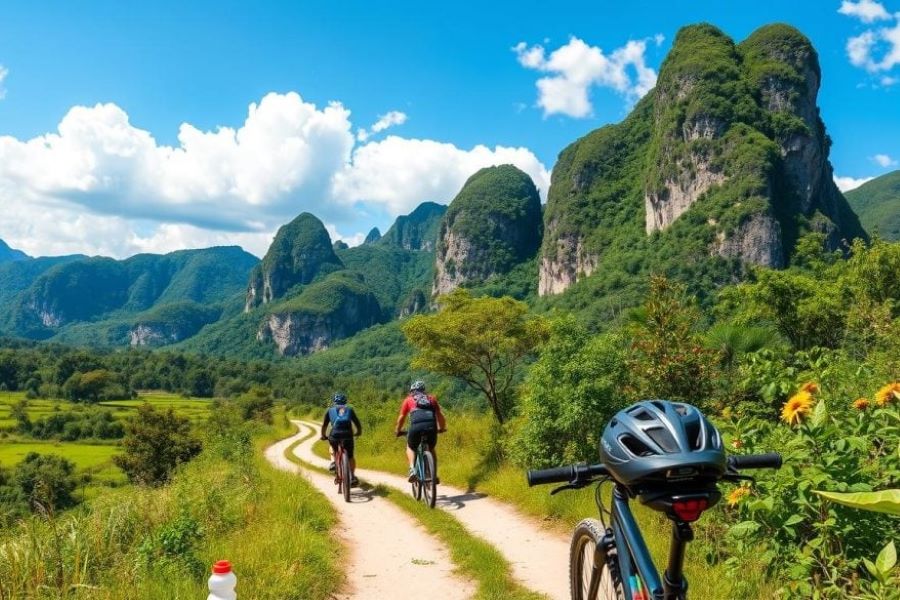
<point x="478" y="340"/>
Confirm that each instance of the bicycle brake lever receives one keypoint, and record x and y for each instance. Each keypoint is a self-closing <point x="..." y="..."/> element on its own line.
<point x="568" y="486"/>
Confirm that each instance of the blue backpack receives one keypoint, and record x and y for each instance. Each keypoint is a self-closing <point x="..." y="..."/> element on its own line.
<point x="340" y="417"/>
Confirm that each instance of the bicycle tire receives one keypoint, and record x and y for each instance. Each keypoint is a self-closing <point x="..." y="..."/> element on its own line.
<point x="346" y="476"/>
<point x="582" y="569"/>
<point x="430" y="482"/>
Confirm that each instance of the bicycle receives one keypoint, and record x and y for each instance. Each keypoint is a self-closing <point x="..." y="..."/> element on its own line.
<point x="611" y="558"/>
<point x="342" y="475"/>
<point x="425" y="482"/>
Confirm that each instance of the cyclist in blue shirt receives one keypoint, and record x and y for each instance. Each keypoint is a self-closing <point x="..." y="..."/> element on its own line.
<point x="342" y="419"/>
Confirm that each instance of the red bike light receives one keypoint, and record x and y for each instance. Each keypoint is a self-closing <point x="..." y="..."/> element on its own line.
<point x="689" y="510"/>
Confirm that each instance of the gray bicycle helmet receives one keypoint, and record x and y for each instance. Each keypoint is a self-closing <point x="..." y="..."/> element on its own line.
<point x="339" y="398"/>
<point x="417" y="386"/>
<point x="660" y="442"/>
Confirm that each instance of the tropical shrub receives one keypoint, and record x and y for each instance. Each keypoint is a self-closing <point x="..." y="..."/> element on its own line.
<point x="831" y="444"/>
<point x="570" y="392"/>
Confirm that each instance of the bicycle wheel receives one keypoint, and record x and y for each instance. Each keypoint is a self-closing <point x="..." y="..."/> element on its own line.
<point x="346" y="476"/>
<point x="587" y="580"/>
<point x="429" y="482"/>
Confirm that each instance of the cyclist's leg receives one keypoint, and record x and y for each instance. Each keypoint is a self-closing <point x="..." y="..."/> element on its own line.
<point x="349" y="448"/>
<point x="332" y="448"/>
<point x="412" y="443"/>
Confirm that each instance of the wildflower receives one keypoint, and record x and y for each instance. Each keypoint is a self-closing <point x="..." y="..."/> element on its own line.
<point x="798" y="406"/>
<point x="810" y="386"/>
<point x="737" y="444"/>
<point x="888" y="393"/>
<point x="737" y="494"/>
<point x="861" y="403"/>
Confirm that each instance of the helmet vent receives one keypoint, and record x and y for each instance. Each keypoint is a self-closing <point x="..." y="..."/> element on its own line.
<point x="693" y="433"/>
<point x="663" y="438"/>
<point x="681" y="409"/>
<point x="642" y="415"/>
<point x="635" y="446"/>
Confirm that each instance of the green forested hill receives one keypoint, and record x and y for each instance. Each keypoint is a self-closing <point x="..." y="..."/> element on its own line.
<point x="877" y="203"/>
<point x="105" y="296"/>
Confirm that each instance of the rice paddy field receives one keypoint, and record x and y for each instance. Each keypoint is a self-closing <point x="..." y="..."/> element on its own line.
<point x="93" y="459"/>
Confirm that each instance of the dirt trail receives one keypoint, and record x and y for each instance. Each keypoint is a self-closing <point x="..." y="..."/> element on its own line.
<point x="390" y="554"/>
<point x="539" y="557"/>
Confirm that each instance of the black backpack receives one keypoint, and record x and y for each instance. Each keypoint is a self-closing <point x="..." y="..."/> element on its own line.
<point x="424" y="410"/>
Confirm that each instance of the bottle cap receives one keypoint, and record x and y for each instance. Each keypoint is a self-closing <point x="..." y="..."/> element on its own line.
<point x="221" y="567"/>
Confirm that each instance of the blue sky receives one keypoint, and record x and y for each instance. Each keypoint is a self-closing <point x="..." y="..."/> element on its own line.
<point x="116" y="176"/>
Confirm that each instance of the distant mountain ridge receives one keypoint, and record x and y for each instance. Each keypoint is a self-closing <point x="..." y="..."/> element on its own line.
<point x="877" y="202"/>
<point x="8" y="254"/>
<point x="81" y="291"/>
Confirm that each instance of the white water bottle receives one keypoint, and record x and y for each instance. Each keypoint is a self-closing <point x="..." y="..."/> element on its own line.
<point x="222" y="582"/>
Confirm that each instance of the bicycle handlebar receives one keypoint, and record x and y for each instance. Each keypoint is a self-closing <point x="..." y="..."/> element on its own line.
<point x="769" y="460"/>
<point x="568" y="474"/>
<point x="585" y="473"/>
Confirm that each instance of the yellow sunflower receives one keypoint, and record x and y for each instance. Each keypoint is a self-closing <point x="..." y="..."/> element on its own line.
<point x="797" y="407"/>
<point x="887" y="394"/>
<point x="738" y="494"/>
<point x="861" y="403"/>
<point x="810" y="386"/>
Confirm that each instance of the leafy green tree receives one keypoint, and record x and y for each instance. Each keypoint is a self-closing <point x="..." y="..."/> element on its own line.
<point x="46" y="481"/>
<point x="571" y="391"/>
<point x="667" y="357"/>
<point x="155" y="443"/>
<point x="478" y="340"/>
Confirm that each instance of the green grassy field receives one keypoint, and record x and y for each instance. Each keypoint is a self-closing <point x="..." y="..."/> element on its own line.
<point x="91" y="458"/>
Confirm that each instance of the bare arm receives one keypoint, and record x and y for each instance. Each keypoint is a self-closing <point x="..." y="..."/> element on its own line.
<point x="325" y="422"/>
<point x="442" y="423"/>
<point x="356" y="423"/>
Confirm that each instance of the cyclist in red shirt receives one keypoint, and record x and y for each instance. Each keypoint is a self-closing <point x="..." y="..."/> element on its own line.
<point x="425" y="421"/>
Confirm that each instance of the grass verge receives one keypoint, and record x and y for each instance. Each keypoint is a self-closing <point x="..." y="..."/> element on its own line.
<point x="158" y="543"/>
<point x="472" y="556"/>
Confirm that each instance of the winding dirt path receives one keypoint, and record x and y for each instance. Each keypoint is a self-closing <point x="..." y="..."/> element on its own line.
<point x="389" y="555"/>
<point x="539" y="557"/>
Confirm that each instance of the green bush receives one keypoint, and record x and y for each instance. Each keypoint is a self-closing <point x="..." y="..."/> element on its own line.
<point x="155" y="443"/>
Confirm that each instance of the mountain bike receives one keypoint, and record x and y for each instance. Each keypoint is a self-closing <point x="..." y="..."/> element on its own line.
<point x="424" y="486"/>
<point x="608" y="558"/>
<point x="342" y="475"/>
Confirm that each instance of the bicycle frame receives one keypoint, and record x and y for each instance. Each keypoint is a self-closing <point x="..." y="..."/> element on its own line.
<point x="420" y="460"/>
<point x="633" y="554"/>
<point x="338" y="455"/>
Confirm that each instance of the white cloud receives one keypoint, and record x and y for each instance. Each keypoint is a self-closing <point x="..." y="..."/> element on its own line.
<point x="866" y="11"/>
<point x="395" y="117"/>
<point x="399" y="173"/>
<point x="876" y="50"/>
<point x="883" y="160"/>
<point x="845" y="184"/>
<point x="576" y="67"/>
<point x="3" y="73"/>
<point x="100" y="185"/>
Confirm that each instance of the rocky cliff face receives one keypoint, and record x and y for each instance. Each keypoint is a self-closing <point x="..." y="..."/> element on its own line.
<point x="493" y="224"/>
<point x="299" y="253"/>
<point x="335" y="308"/>
<point x="731" y="136"/>
<point x="150" y="336"/>
<point x="418" y="230"/>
